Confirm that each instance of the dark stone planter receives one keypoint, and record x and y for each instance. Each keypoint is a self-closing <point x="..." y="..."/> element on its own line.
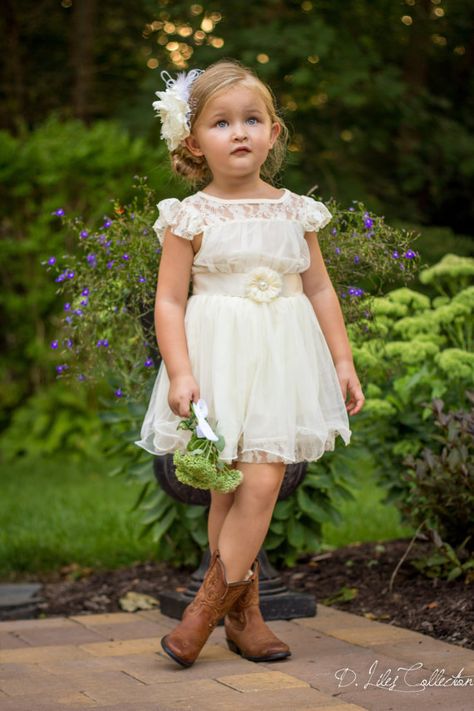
<point x="277" y="602"/>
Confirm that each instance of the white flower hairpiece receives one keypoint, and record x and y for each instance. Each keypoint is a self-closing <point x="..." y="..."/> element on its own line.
<point x="173" y="107"/>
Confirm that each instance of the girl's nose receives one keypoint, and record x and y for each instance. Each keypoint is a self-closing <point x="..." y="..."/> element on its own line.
<point x="240" y="131"/>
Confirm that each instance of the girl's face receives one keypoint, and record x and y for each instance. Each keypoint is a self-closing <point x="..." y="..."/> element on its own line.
<point x="234" y="133"/>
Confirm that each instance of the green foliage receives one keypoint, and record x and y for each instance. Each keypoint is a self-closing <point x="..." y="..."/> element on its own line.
<point x="441" y="478"/>
<point x="60" y="164"/>
<point x="56" y="419"/>
<point x="415" y="349"/>
<point x="296" y="526"/>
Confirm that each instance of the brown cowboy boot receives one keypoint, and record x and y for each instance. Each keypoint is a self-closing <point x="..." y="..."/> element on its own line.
<point x="246" y="631"/>
<point x="211" y="602"/>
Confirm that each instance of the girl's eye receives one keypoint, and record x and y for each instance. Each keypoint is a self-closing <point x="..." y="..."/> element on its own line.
<point x="252" y="119"/>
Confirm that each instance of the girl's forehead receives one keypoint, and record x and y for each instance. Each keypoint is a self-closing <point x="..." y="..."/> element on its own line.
<point x="236" y="96"/>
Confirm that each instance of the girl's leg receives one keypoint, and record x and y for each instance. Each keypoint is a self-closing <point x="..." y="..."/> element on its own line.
<point x="218" y="510"/>
<point x="248" y="519"/>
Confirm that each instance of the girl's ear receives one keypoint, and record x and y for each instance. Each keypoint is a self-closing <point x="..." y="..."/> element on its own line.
<point x="275" y="132"/>
<point x="192" y="145"/>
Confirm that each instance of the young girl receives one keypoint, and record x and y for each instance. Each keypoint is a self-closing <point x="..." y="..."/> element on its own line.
<point x="262" y="338"/>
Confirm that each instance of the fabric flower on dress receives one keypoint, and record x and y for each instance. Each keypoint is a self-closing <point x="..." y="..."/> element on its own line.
<point x="173" y="107"/>
<point x="263" y="284"/>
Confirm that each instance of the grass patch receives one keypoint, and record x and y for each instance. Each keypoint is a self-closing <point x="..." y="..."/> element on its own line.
<point x="55" y="512"/>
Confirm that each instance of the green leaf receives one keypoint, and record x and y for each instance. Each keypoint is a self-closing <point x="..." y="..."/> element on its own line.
<point x="163" y="525"/>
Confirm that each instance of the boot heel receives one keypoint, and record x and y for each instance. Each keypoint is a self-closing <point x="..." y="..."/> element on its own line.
<point x="233" y="647"/>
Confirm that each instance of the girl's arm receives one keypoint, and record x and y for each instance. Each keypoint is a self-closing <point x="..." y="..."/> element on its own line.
<point x="170" y="306"/>
<point x="320" y="291"/>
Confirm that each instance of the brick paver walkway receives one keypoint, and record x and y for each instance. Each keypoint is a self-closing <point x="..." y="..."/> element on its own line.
<point x="114" y="662"/>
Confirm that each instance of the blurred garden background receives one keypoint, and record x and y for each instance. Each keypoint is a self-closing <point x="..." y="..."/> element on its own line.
<point x="379" y="100"/>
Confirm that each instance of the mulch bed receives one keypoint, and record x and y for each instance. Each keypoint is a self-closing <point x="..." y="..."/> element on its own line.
<point x="362" y="571"/>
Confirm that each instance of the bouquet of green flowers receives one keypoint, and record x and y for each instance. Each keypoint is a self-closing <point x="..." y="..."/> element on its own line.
<point x="199" y="465"/>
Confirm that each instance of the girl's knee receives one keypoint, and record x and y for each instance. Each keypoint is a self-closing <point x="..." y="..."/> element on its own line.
<point x="261" y="482"/>
<point x="221" y="501"/>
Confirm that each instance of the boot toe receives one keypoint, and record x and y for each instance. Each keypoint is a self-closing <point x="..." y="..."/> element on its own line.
<point x="175" y="652"/>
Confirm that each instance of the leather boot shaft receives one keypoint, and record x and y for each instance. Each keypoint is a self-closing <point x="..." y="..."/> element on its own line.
<point x="247" y="633"/>
<point x="210" y="604"/>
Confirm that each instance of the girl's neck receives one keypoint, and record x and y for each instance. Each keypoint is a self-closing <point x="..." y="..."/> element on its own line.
<point x="256" y="189"/>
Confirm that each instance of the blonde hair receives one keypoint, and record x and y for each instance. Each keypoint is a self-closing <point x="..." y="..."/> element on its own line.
<point x="221" y="75"/>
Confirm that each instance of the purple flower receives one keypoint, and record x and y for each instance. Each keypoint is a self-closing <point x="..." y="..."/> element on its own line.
<point x="67" y="306"/>
<point x="68" y="342"/>
<point x="68" y="319"/>
<point x="333" y="231"/>
<point x="54" y="344"/>
<point x="81" y="376"/>
<point x="145" y="230"/>
<point x="84" y="302"/>
<point x="110" y="264"/>
<point x="70" y="274"/>
<point x="337" y="250"/>
<point x="84" y="234"/>
<point x="368" y="222"/>
<point x="409" y="254"/>
<point x="355" y="291"/>
<point x="85" y="292"/>
<point x="118" y="392"/>
<point x="356" y="259"/>
<point x="59" y="212"/>
<point x="395" y="254"/>
<point x="148" y="363"/>
<point x="141" y="279"/>
<point x="103" y="342"/>
<point x="52" y="260"/>
<point x="351" y="209"/>
<point x="78" y="312"/>
<point x="61" y="368"/>
<point x="125" y="256"/>
<point x="91" y="259"/>
<point x="107" y="222"/>
<point x="60" y="277"/>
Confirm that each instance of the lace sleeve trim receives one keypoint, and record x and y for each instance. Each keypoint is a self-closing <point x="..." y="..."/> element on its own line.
<point x="315" y="214"/>
<point x="184" y="220"/>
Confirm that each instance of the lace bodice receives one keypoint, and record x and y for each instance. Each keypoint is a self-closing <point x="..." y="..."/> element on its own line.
<point x="243" y="233"/>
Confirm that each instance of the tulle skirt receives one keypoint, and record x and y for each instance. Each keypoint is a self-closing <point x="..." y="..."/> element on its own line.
<point x="266" y="373"/>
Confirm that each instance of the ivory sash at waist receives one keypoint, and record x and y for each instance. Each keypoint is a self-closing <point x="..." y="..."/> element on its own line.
<point x="238" y="283"/>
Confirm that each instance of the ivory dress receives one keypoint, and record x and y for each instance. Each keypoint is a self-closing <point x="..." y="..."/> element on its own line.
<point x="255" y="345"/>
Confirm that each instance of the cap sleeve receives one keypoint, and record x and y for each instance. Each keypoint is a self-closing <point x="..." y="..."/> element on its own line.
<point x="315" y="214"/>
<point x="183" y="219"/>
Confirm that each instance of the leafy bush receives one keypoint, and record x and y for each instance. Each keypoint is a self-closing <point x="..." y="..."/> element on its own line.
<point x="441" y="479"/>
<point x="61" y="164"/>
<point x="57" y="419"/>
<point x="415" y="349"/>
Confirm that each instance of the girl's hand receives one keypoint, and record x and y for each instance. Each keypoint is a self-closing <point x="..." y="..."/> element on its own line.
<point x="183" y="388"/>
<point x="349" y="381"/>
